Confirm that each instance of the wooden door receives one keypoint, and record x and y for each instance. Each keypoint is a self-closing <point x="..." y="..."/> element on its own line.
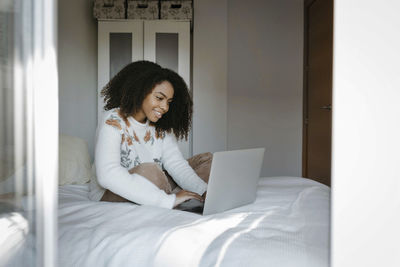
<point x="317" y="119"/>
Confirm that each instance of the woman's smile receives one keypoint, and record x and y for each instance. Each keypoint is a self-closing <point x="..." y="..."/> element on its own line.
<point x="158" y="114"/>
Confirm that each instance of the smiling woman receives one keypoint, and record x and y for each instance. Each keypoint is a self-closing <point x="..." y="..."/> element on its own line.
<point x="137" y="157"/>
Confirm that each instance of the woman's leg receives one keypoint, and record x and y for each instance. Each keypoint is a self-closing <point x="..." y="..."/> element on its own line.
<point x="152" y="172"/>
<point x="201" y="164"/>
<point x="111" y="197"/>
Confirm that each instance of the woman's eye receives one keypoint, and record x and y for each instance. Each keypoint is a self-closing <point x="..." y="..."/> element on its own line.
<point x="159" y="98"/>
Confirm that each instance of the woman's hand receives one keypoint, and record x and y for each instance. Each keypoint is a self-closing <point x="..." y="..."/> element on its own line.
<point x="183" y="196"/>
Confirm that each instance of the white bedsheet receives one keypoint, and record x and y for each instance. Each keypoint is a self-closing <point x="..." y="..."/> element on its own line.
<point x="288" y="225"/>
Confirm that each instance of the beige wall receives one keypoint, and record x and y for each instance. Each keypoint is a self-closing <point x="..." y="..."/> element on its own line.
<point x="77" y="66"/>
<point x="210" y="76"/>
<point x="265" y="81"/>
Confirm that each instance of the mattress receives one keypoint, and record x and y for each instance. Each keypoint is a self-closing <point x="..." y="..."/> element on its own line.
<point x="287" y="225"/>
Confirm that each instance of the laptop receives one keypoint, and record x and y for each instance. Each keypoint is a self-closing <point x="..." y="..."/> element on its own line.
<point x="232" y="183"/>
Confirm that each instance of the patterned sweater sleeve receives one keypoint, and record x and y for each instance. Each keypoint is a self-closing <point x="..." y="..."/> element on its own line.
<point x="179" y="168"/>
<point x="112" y="176"/>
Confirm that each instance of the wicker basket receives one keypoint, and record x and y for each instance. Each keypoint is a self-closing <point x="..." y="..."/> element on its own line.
<point x="109" y="9"/>
<point x="176" y="10"/>
<point x="143" y="9"/>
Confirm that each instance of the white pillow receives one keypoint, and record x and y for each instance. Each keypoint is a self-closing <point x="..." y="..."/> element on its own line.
<point x="74" y="161"/>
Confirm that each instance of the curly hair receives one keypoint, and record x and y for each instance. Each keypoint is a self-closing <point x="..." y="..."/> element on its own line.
<point x="134" y="82"/>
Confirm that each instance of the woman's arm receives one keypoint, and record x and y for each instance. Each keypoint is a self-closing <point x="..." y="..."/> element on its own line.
<point x="112" y="176"/>
<point x="179" y="168"/>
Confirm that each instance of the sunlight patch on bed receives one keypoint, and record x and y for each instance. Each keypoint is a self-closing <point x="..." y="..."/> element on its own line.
<point x="13" y="233"/>
<point x="236" y="235"/>
<point x="201" y="235"/>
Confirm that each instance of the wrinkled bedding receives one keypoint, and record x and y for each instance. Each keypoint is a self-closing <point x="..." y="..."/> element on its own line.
<point x="287" y="225"/>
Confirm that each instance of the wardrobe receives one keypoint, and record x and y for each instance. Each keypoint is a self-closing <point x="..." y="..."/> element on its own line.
<point x="166" y="42"/>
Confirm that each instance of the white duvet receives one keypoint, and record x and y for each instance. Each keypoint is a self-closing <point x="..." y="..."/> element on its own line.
<point x="287" y="225"/>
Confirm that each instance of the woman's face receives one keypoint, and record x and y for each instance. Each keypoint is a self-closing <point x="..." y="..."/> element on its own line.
<point x="156" y="104"/>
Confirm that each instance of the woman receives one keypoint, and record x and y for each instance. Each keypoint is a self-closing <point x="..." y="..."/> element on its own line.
<point x="148" y="108"/>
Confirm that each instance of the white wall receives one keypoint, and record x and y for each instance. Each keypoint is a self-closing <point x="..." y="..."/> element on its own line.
<point x="210" y="76"/>
<point x="366" y="131"/>
<point x="265" y="81"/>
<point x="77" y="63"/>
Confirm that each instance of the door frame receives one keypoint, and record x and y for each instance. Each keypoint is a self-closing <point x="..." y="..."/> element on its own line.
<point x="305" y="89"/>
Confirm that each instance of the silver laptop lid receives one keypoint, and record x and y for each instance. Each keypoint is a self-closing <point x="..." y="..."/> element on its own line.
<point x="233" y="179"/>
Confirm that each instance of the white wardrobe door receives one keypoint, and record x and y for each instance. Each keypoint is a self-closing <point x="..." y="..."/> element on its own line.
<point x="168" y="44"/>
<point x="119" y="43"/>
<point x="160" y="37"/>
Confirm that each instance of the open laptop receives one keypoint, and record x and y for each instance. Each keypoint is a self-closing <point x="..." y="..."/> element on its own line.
<point x="232" y="183"/>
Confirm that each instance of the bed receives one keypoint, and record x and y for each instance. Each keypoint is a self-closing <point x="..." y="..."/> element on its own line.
<point x="287" y="225"/>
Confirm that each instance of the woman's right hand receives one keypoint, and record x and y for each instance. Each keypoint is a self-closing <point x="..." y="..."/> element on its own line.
<point x="183" y="196"/>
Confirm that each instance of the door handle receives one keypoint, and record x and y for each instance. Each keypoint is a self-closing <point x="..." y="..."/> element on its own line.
<point x="327" y="107"/>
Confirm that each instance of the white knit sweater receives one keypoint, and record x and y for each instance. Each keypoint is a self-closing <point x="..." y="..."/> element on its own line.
<point x="121" y="146"/>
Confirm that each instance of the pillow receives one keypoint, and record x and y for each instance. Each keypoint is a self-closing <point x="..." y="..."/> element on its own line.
<point x="74" y="161"/>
